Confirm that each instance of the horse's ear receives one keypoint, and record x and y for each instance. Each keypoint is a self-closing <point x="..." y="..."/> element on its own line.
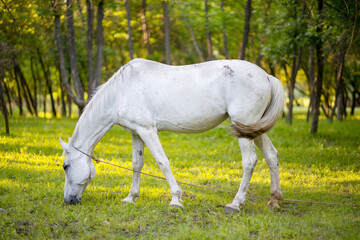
<point x="64" y="145"/>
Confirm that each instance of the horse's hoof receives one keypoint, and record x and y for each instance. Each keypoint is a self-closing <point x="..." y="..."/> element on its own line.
<point x="128" y="201"/>
<point x="175" y="202"/>
<point x="176" y="206"/>
<point x="230" y="208"/>
<point x="273" y="203"/>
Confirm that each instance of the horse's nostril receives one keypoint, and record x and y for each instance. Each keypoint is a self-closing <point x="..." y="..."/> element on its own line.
<point x="74" y="200"/>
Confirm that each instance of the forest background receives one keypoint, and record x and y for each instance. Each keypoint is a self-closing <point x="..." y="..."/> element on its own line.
<point x="55" y="53"/>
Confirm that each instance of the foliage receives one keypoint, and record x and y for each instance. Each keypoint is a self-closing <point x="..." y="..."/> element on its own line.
<point x="277" y="28"/>
<point x="323" y="167"/>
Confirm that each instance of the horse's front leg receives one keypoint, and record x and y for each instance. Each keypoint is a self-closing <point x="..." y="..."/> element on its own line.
<point x="249" y="161"/>
<point x="138" y="163"/>
<point x="152" y="141"/>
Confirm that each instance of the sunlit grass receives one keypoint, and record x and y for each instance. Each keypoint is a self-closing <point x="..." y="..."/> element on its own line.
<point x="322" y="167"/>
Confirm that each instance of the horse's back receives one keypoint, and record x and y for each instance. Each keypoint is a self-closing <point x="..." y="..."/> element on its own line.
<point x="195" y="98"/>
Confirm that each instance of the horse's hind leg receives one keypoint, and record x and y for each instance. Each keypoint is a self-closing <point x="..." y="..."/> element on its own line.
<point x="249" y="161"/>
<point x="138" y="163"/>
<point x="271" y="156"/>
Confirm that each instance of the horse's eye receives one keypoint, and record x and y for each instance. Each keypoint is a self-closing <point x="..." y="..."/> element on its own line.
<point x="65" y="166"/>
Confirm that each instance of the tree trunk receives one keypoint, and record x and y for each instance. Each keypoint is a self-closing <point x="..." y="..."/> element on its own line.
<point x="89" y="46"/>
<point x="294" y="71"/>
<point x="320" y="71"/>
<point x="44" y="103"/>
<point x="62" y="90"/>
<point x="339" y="78"/>
<point x="19" y="94"/>
<point x="246" y="30"/>
<point x="100" y="44"/>
<point x="208" y="33"/>
<point x="226" y="52"/>
<point x="2" y="102"/>
<point x="69" y="103"/>
<point x="63" y="72"/>
<point x="48" y="83"/>
<point x="193" y="39"/>
<point x="128" y="15"/>
<point x="263" y="32"/>
<point x="7" y="92"/>
<point x="353" y="102"/>
<point x="166" y="31"/>
<point x="354" y="92"/>
<point x="27" y="93"/>
<point x="144" y="26"/>
<point x="73" y="62"/>
<point x="21" y="89"/>
<point x="35" y="79"/>
<point x="311" y="81"/>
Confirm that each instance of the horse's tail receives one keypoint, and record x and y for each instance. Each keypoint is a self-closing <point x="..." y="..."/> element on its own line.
<point x="269" y="117"/>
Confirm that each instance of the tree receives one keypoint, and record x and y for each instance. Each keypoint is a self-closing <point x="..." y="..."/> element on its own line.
<point x="48" y="82"/>
<point x="4" y="61"/>
<point x="296" y="59"/>
<point x="246" y="30"/>
<point x="131" y="47"/>
<point x="79" y="89"/>
<point x="166" y="31"/>
<point x="100" y="44"/>
<point x="2" y="102"/>
<point x="79" y="100"/>
<point x="145" y="28"/>
<point x="193" y="39"/>
<point x="279" y="41"/>
<point x="310" y="77"/>
<point x="208" y="33"/>
<point x="30" y="103"/>
<point x="226" y="53"/>
<point x="320" y="71"/>
<point x="89" y="46"/>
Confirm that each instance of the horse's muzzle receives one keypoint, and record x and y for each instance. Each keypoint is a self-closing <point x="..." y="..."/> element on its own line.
<point x="72" y="200"/>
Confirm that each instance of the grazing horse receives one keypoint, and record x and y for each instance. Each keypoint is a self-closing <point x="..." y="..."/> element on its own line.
<point x="146" y="97"/>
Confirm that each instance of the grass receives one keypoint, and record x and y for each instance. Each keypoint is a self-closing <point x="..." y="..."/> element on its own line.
<point x="324" y="167"/>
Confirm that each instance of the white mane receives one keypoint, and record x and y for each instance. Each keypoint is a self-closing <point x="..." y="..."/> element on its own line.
<point x="100" y="104"/>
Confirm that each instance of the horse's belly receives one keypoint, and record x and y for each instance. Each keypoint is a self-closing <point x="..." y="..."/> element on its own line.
<point x="191" y="124"/>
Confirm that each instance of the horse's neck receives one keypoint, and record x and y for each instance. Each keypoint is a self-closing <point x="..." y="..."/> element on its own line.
<point x="88" y="132"/>
<point x="93" y="124"/>
<point x="99" y="115"/>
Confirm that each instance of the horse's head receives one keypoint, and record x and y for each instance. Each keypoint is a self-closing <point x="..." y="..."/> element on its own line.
<point x="79" y="170"/>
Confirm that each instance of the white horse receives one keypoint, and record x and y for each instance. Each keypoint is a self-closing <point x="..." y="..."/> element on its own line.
<point x="146" y="97"/>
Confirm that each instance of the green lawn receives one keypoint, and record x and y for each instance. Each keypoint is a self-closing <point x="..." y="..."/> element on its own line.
<point x="325" y="167"/>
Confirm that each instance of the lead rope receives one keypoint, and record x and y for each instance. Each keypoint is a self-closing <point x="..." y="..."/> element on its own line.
<point x="210" y="188"/>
